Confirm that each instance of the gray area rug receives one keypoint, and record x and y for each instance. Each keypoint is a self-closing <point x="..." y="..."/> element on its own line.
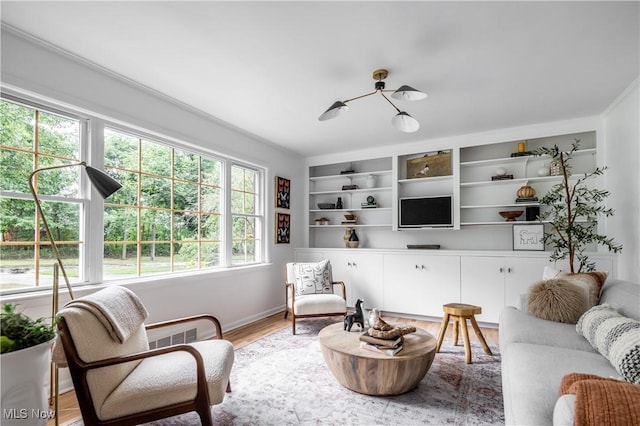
<point x="282" y="379"/>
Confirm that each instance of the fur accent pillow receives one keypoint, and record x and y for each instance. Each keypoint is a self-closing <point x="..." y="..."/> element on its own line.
<point x="557" y="300"/>
<point x="592" y="281"/>
<point x="313" y="278"/>
<point x="615" y="337"/>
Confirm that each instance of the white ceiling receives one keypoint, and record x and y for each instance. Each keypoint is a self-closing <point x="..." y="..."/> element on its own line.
<point x="271" y="68"/>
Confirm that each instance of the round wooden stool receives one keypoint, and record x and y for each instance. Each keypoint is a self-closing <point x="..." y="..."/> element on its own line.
<point x="459" y="313"/>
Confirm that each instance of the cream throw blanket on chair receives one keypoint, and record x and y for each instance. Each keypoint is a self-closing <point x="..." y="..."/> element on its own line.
<point x="117" y="308"/>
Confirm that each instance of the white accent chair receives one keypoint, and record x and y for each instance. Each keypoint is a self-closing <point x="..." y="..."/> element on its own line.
<point x="313" y="305"/>
<point x="128" y="383"/>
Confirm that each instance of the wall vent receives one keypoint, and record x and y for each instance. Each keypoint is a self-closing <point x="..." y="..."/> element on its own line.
<point x="187" y="336"/>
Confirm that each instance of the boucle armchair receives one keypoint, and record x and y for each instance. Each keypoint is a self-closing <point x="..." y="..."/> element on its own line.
<point x="126" y="383"/>
<point x="309" y="292"/>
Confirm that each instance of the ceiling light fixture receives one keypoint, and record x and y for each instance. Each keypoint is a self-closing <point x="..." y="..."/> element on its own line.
<point x="401" y="121"/>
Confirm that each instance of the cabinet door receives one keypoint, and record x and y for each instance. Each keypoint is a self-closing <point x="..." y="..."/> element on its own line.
<point x="366" y="279"/>
<point x="342" y="270"/>
<point x="521" y="274"/>
<point x="420" y="285"/>
<point x="482" y="284"/>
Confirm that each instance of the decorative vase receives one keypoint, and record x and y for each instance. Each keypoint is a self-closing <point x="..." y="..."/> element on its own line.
<point x="354" y="241"/>
<point x="371" y="181"/>
<point x="543" y="171"/>
<point x="25" y="378"/>
<point x="339" y="203"/>
<point x="347" y="235"/>
<point x="373" y="316"/>
<point x="526" y="192"/>
<point x="501" y="171"/>
<point x="554" y="168"/>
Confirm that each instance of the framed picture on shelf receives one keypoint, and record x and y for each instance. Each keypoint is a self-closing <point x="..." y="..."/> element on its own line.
<point x="283" y="228"/>
<point x="429" y="165"/>
<point x="528" y="237"/>
<point x="283" y="192"/>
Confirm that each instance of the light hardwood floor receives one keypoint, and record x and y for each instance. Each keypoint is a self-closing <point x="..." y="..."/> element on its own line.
<point x="69" y="411"/>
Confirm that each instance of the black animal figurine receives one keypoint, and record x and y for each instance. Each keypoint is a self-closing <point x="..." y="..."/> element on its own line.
<point x="355" y="318"/>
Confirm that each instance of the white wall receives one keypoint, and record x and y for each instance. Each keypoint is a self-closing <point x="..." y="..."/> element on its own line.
<point x="235" y="297"/>
<point x="622" y="135"/>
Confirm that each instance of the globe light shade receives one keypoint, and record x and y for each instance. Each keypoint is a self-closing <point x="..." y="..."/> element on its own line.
<point x="102" y="182"/>
<point x="408" y="93"/>
<point x="334" y="110"/>
<point x="405" y="123"/>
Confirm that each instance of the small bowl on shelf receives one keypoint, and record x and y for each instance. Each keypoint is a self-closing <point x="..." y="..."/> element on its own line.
<point x="511" y="215"/>
<point x="350" y="216"/>
<point x="326" y="206"/>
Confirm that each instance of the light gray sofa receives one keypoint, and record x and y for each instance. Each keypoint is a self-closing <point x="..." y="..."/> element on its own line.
<point x="537" y="353"/>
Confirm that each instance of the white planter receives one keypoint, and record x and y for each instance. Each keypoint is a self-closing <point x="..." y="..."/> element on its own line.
<point x="25" y="381"/>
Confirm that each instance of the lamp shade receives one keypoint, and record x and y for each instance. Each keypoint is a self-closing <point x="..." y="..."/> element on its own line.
<point x="102" y="182"/>
<point x="405" y="123"/>
<point x="408" y="93"/>
<point x="334" y="110"/>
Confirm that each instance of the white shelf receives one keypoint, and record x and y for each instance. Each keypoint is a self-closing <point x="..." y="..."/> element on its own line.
<point x="349" y="191"/>
<point x="522" y="158"/>
<point x="519" y="180"/>
<point x="493" y="206"/>
<point x="502" y="222"/>
<point x="359" y="209"/>
<point x="349" y="175"/>
<point x="425" y="179"/>
<point x="373" y="225"/>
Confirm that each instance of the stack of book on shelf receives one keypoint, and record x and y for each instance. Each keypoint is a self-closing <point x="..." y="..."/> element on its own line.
<point x="527" y="200"/>
<point x="382" y="346"/>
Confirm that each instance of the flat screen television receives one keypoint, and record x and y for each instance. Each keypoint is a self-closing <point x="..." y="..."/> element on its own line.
<point x="426" y="212"/>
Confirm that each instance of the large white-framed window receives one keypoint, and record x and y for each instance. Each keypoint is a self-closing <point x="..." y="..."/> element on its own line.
<point x="181" y="208"/>
<point x="31" y="137"/>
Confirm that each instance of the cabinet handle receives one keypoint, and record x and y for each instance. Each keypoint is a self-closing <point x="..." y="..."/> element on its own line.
<point x="509" y="270"/>
<point x="354" y="265"/>
<point x="349" y="264"/>
<point x="501" y="270"/>
<point x="423" y="267"/>
<point x="417" y="267"/>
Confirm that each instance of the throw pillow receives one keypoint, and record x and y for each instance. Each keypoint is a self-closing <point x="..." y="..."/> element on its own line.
<point x="313" y="278"/>
<point x="615" y="337"/>
<point x="592" y="281"/>
<point x="556" y="300"/>
<point x="600" y="400"/>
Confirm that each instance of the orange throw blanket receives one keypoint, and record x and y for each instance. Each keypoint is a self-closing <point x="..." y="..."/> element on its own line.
<point x="601" y="400"/>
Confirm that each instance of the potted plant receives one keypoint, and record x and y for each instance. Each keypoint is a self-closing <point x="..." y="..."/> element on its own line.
<point x="572" y="213"/>
<point x="25" y="345"/>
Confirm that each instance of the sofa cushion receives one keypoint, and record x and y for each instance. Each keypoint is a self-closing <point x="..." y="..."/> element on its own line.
<point x="592" y="281"/>
<point x="616" y="337"/>
<point x="531" y="376"/>
<point x="557" y="300"/>
<point x="600" y="400"/>
<point x="623" y="296"/>
<point x="313" y="278"/>
<point x="519" y="327"/>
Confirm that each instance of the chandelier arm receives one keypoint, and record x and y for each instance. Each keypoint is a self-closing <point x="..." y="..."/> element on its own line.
<point x="392" y="104"/>
<point x="361" y="96"/>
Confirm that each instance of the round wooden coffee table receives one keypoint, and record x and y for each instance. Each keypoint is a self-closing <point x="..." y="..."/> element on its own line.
<point x="371" y="373"/>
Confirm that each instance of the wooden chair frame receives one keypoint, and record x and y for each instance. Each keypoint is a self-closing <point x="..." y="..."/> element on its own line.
<point x="290" y="287"/>
<point x="79" y="369"/>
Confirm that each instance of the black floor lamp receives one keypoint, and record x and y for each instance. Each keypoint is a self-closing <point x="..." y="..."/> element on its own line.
<point x="105" y="185"/>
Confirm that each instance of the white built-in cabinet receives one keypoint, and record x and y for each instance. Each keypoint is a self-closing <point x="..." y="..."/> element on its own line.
<point x="419" y="282"/>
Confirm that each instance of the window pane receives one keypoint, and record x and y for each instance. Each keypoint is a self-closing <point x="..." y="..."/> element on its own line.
<point x="210" y="255"/>
<point x="120" y="260"/>
<point x="17" y="220"/>
<point x="186" y="256"/>
<point x="16" y="125"/>
<point x="155" y="258"/>
<point x="185" y="196"/>
<point x="186" y="166"/>
<point x="120" y="150"/>
<point x="156" y="192"/>
<point x="120" y="224"/>
<point x="249" y="204"/>
<point x="156" y="159"/>
<point x="211" y="171"/>
<point x="58" y="135"/>
<point x="210" y="199"/>
<point x="156" y="225"/>
<point x="21" y="166"/>
<point x="185" y="226"/>
<point x="128" y="194"/>
<point x="61" y="182"/>
<point x="17" y="266"/>
<point x="211" y="227"/>
<point x="70" y="254"/>
<point x="64" y="222"/>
